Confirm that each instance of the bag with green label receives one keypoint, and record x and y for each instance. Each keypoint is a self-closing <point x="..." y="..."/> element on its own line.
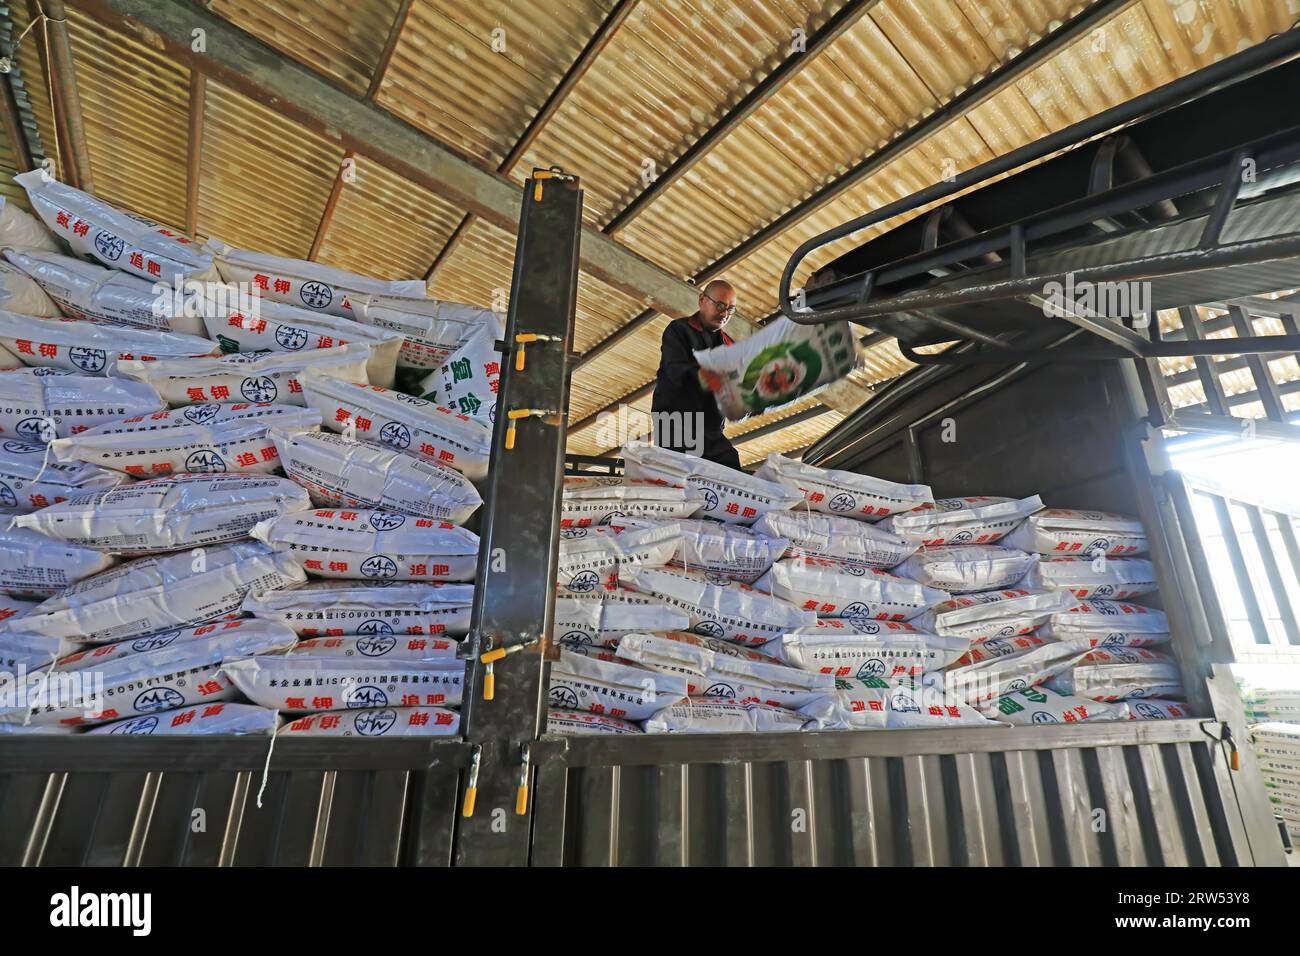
<point x="780" y="364"/>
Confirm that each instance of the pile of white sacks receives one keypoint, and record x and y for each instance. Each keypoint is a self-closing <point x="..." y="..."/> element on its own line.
<point x="696" y="598"/>
<point x="217" y="511"/>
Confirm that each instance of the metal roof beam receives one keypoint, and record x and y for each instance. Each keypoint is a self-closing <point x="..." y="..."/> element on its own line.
<point x="577" y="70"/>
<point x="194" y="150"/>
<point x="234" y="58"/>
<point x="390" y="45"/>
<point x="61" y="79"/>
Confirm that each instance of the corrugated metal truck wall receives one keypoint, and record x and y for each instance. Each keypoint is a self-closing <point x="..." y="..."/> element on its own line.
<point x="330" y="802"/>
<point x="882" y="800"/>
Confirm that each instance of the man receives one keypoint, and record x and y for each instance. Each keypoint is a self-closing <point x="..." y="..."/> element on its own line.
<point x="685" y="414"/>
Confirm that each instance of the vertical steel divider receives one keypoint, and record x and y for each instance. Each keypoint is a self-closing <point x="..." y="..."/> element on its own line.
<point x="514" y="602"/>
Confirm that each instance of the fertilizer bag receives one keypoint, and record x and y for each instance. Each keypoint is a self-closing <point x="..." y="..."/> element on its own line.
<point x="729" y="495"/>
<point x="843" y="493"/>
<point x="330" y="609"/>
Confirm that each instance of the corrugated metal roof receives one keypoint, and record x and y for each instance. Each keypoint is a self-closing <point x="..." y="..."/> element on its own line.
<point x="475" y="75"/>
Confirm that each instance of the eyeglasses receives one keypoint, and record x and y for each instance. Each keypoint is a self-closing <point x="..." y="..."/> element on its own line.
<point x="722" y="306"/>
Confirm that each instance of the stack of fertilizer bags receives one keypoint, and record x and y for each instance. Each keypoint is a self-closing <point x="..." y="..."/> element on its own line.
<point x="1274" y="713"/>
<point x="814" y="600"/>
<point x="188" y="437"/>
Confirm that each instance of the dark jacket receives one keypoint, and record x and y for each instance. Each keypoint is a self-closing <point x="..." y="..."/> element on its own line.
<point x="678" y="389"/>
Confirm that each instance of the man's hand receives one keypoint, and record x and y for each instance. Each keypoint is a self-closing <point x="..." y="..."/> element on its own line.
<point x="710" y="381"/>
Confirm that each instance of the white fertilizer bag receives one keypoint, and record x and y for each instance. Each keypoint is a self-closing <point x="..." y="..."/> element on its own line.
<point x="326" y="609"/>
<point x="303" y="684"/>
<point x="373" y="545"/>
<point x="988" y="679"/>
<point x="729" y="550"/>
<point x="610" y="687"/>
<point x="377" y="646"/>
<point x="599" y="623"/>
<point x="1043" y="705"/>
<point x="719" y="608"/>
<point x="40" y="408"/>
<point x="600" y="500"/>
<point x="841" y="590"/>
<point x="257" y="377"/>
<point x="977" y="520"/>
<point x="155" y="594"/>
<point x="1125" y="655"/>
<point x="371" y="413"/>
<point x="1062" y="531"/>
<point x="33" y="729"/>
<point x="30" y="652"/>
<point x="1149" y="709"/>
<point x="1100" y="577"/>
<point x="338" y="471"/>
<point x="276" y="327"/>
<point x="915" y="705"/>
<point x="724" y="674"/>
<point x="377" y="722"/>
<point x="432" y="329"/>
<point x="20" y="230"/>
<point x="19" y="292"/>
<point x="206" y="439"/>
<point x="706" y="716"/>
<point x="582" y="723"/>
<point x="36" y="565"/>
<point x="120" y="240"/>
<point x="298" y="282"/>
<point x="1108" y="624"/>
<point x="843" y="493"/>
<point x="855" y="704"/>
<point x="97" y="655"/>
<point x="88" y="347"/>
<point x="182" y="675"/>
<point x="968" y="567"/>
<point x="31" y="479"/>
<point x="779" y="364"/>
<point x="1111" y="682"/>
<point x="996" y="647"/>
<point x="219" y="718"/>
<point x="589" y="555"/>
<point x="837" y="539"/>
<point x="993" y="614"/>
<point x="84" y="290"/>
<point x="12" y="608"/>
<point x="8" y="361"/>
<point x="729" y="495"/>
<point x="888" y="655"/>
<point x="184" y="511"/>
<point x="468" y="381"/>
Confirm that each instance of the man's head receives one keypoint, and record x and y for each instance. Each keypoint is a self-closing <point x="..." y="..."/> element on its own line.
<point x="717" y="304"/>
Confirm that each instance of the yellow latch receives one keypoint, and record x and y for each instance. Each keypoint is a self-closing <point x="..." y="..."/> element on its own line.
<point x="524" y="338"/>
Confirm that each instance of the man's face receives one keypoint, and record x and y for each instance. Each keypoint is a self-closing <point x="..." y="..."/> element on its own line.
<point x="717" y="308"/>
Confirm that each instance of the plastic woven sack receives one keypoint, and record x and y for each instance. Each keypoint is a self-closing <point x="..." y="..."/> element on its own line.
<point x="611" y="688"/>
<point x="843" y="493"/>
<point x="1110" y="578"/>
<point x="705" y="716"/>
<point x="600" y="623"/>
<point x="1063" y="531"/>
<point x="839" y="590"/>
<point x="88" y="347"/>
<point x="40" y="408"/>
<point x="1109" y="624"/>
<point x="29" y="652"/>
<point x="34" y="564"/>
<point x="354" y="544"/>
<point x="779" y="364"/>
<point x="245" y="376"/>
<point x="729" y="495"/>
<point x="468" y="381"/>
<point x="98" y="655"/>
<point x="387" y="647"/>
<point x="164" y="514"/>
<point x="303" y="684"/>
<point x="301" y="283"/>
<point x="206" y="439"/>
<point x="897" y="651"/>
<point x="587" y="556"/>
<point x="377" y="722"/>
<point x="832" y="538"/>
<point x="218" y="718"/>
<point x="371" y="413"/>
<point x="340" y="472"/>
<point x="329" y="609"/>
<point x="1112" y="682"/>
<point x="84" y="290"/>
<point x="961" y="569"/>
<point x="154" y="594"/>
<point x="118" y="239"/>
<point x="31" y="479"/>
<point x="274" y="326"/>
<point x="1043" y="705"/>
<point x="432" y="329"/>
<point x="600" y="500"/>
<point x="975" y="520"/>
<point x="993" y="677"/>
<point x="993" y="614"/>
<point x="1149" y="709"/>
<point x="732" y="551"/>
<point x="719" y="607"/>
<point x="582" y="723"/>
<point x="19" y="292"/>
<point x="20" y="230"/>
